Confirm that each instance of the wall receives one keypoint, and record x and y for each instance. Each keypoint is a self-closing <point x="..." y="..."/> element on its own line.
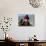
<point x="10" y="8"/>
<point x="45" y="29"/>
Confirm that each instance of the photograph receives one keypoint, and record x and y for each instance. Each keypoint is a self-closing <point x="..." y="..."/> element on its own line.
<point x="25" y="19"/>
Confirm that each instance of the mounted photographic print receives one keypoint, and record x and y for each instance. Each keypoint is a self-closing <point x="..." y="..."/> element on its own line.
<point x="26" y="19"/>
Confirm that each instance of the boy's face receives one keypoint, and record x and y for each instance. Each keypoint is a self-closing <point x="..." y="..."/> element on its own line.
<point x="26" y="20"/>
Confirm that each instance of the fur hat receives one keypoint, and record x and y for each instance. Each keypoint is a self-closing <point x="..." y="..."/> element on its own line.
<point x="26" y="17"/>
